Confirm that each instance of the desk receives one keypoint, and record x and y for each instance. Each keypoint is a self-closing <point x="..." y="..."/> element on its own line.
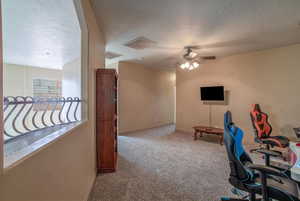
<point x="295" y="161"/>
<point x="208" y="130"/>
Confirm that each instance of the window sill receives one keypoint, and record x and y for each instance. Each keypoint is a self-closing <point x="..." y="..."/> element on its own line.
<point x="21" y="155"/>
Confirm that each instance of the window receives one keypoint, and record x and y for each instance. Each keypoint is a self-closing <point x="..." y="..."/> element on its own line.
<point x="46" y="88"/>
<point x="44" y="71"/>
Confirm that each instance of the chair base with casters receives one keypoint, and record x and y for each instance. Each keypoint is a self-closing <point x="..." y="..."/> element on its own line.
<point x="257" y="180"/>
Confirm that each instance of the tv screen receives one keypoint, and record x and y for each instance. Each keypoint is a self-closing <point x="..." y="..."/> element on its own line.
<point x="214" y="93"/>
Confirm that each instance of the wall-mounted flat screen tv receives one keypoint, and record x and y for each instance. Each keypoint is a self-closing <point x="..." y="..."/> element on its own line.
<point x="213" y="93"/>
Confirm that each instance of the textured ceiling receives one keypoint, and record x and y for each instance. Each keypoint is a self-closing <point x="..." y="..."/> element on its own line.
<point x="40" y="33"/>
<point x="221" y="27"/>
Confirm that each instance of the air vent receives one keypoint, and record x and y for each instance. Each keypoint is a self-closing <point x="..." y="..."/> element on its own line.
<point x="111" y="55"/>
<point x="140" y="43"/>
<point x="209" y="57"/>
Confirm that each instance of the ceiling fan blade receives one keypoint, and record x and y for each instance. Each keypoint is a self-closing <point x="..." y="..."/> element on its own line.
<point x="209" y="57"/>
<point x="193" y="47"/>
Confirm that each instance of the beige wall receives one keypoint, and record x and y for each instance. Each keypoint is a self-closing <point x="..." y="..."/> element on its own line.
<point x="64" y="170"/>
<point x="270" y="78"/>
<point x="146" y="97"/>
<point x="17" y="79"/>
<point x="71" y="85"/>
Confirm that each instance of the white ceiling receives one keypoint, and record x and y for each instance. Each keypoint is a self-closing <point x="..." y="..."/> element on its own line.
<point x="222" y="27"/>
<point x="40" y="33"/>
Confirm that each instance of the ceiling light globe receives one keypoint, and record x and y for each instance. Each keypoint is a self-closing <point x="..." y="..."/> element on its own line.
<point x="196" y="64"/>
<point x="193" y="54"/>
<point x="187" y="64"/>
<point x="182" y="66"/>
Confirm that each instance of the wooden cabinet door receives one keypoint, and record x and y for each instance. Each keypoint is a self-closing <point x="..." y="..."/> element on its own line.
<point x="106" y="120"/>
<point x="105" y="96"/>
<point x="106" y="141"/>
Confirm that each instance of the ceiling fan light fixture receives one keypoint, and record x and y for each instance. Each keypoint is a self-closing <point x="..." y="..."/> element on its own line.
<point x="187" y="64"/>
<point x="193" y="54"/>
<point x="182" y="66"/>
<point x="196" y="64"/>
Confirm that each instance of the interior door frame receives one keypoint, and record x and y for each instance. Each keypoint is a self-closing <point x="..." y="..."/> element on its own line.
<point x="84" y="58"/>
<point x="1" y="97"/>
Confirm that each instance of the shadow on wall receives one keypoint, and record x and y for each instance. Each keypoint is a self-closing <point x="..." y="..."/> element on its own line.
<point x="273" y="119"/>
<point x="286" y="130"/>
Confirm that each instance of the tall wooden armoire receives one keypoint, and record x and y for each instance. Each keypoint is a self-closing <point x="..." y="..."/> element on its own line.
<point x="106" y="120"/>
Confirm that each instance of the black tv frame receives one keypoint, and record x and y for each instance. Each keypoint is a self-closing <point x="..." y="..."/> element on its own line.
<point x="222" y="96"/>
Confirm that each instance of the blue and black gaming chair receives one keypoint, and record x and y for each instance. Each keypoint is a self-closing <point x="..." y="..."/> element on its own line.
<point x="262" y="180"/>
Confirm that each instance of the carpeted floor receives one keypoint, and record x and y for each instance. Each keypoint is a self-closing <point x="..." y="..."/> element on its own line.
<point x="162" y="165"/>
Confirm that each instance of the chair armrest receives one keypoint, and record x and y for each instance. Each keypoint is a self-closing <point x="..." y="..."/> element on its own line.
<point x="266" y="170"/>
<point x="269" y="152"/>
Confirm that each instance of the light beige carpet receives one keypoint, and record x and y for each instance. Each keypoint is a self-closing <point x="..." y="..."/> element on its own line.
<point x="162" y="165"/>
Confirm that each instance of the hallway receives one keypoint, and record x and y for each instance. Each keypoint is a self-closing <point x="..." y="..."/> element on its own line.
<point x="162" y="165"/>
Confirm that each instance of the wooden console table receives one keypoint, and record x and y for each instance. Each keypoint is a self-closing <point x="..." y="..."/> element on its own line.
<point x="208" y="130"/>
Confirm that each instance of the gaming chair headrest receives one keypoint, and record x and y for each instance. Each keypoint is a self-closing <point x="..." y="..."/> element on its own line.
<point x="262" y="127"/>
<point x="228" y="125"/>
<point x="227" y="119"/>
<point x="256" y="107"/>
<point x="228" y="140"/>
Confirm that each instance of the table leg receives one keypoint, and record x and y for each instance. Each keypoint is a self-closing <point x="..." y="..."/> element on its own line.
<point x="221" y="139"/>
<point x="201" y="134"/>
<point x="195" y="135"/>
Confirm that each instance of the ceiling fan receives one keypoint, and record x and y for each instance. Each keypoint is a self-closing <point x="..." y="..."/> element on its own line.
<point x="195" y="52"/>
<point x="191" y="55"/>
<point x="192" y="59"/>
